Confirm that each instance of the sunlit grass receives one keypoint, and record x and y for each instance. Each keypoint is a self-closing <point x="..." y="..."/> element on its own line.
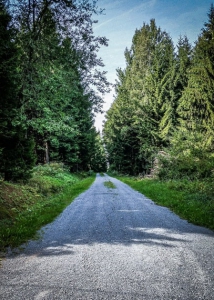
<point x="26" y="208"/>
<point x="192" y="201"/>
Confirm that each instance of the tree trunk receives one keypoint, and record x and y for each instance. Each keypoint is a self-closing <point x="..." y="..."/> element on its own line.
<point x="46" y="158"/>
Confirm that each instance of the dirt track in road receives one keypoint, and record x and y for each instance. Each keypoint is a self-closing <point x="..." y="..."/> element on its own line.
<point x="113" y="243"/>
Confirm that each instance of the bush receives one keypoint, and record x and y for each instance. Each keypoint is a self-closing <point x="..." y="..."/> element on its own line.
<point x="188" y="157"/>
<point x="51" y="169"/>
<point x="186" y="166"/>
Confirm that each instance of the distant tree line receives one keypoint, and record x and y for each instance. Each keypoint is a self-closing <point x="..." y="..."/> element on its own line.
<point x="164" y="105"/>
<point x="50" y="86"/>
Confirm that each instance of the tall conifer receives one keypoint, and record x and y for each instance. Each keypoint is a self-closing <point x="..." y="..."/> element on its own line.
<point x="196" y="106"/>
<point x="16" y="149"/>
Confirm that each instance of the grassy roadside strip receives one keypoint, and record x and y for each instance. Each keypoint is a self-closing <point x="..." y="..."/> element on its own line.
<point x="34" y="209"/>
<point x="109" y="184"/>
<point x="186" y="199"/>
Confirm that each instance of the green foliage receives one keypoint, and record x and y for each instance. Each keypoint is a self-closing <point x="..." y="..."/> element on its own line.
<point x="52" y="169"/>
<point x="99" y="159"/>
<point x="25" y="208"/>
<point x="164" y="101"/>
<point x="132" y="129"/>
<point x="16" y="148"/>
<point x="174" y="82"/>
<point x="18" y="167"/>
<point x="187" y="158"/>
<point x="52" y="85"/>
<point x="196" y="107"/>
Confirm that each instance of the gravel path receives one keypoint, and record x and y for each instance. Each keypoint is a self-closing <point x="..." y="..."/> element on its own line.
<point x="113" y="244"/>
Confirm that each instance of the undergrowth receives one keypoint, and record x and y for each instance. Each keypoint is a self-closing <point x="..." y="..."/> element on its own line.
<point x="25" y="207"/>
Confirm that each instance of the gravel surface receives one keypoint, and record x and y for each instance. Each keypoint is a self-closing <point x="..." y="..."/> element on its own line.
<point x="113" y="243"/>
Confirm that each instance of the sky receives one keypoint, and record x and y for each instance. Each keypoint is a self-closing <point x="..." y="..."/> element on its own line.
<point x="122" y="17"/>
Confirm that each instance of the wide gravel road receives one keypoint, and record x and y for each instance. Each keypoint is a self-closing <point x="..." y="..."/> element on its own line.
<point x="113" y="244"/>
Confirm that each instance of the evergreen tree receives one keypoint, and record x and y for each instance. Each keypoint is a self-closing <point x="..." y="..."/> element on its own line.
<point x="173" y="84"/>
<point x="16" y="149"/>
<point x="196" y="107"/>
<point x="164" y="101"/>
<point x="142" y="100"/>
<point x="58" y="72"/>
<point x="119" y="131"/>
<point x="191" y="146"/>
<point x="98" y="159"/>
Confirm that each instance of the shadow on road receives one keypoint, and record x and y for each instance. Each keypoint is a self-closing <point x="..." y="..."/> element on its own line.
<point x="112" y="216"/>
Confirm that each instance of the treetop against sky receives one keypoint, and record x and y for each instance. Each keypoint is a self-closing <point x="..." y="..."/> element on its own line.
<point x="121" y="18"/>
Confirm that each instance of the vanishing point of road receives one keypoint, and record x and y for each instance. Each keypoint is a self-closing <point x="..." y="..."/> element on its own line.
<point x="113" y="243"/>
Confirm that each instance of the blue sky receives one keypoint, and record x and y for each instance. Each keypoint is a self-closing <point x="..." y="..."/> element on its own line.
<point x="122" y="17"/>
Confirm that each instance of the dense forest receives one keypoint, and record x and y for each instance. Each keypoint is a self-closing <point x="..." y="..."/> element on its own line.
<point x="163" y="112"/>
<point x="51" y="86"/>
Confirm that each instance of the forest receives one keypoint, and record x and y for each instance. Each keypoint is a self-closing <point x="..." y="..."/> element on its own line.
<point x="158" y="132"/>
<point x="51" y="86"/>
<point x="162" y="118"/>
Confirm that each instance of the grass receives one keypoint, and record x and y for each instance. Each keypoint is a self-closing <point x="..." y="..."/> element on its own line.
<point x="193" y="201"/>
<point x="109" y="184"/>
<point x="25" y="208"/>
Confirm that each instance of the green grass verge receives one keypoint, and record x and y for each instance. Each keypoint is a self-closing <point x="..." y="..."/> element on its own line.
<point x="24" y="209"/>
<point x="193" y="201"/>
<point x="109" y="184"/>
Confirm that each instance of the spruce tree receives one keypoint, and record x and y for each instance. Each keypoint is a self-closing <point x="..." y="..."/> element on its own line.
<point x="196" y="107"/>
<point x="16" y="149"/>
<point x="191" y="149"/>
<point x="173" y="84"/>
<point x="142" y="101"/>
<point x="59" y="67"/>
